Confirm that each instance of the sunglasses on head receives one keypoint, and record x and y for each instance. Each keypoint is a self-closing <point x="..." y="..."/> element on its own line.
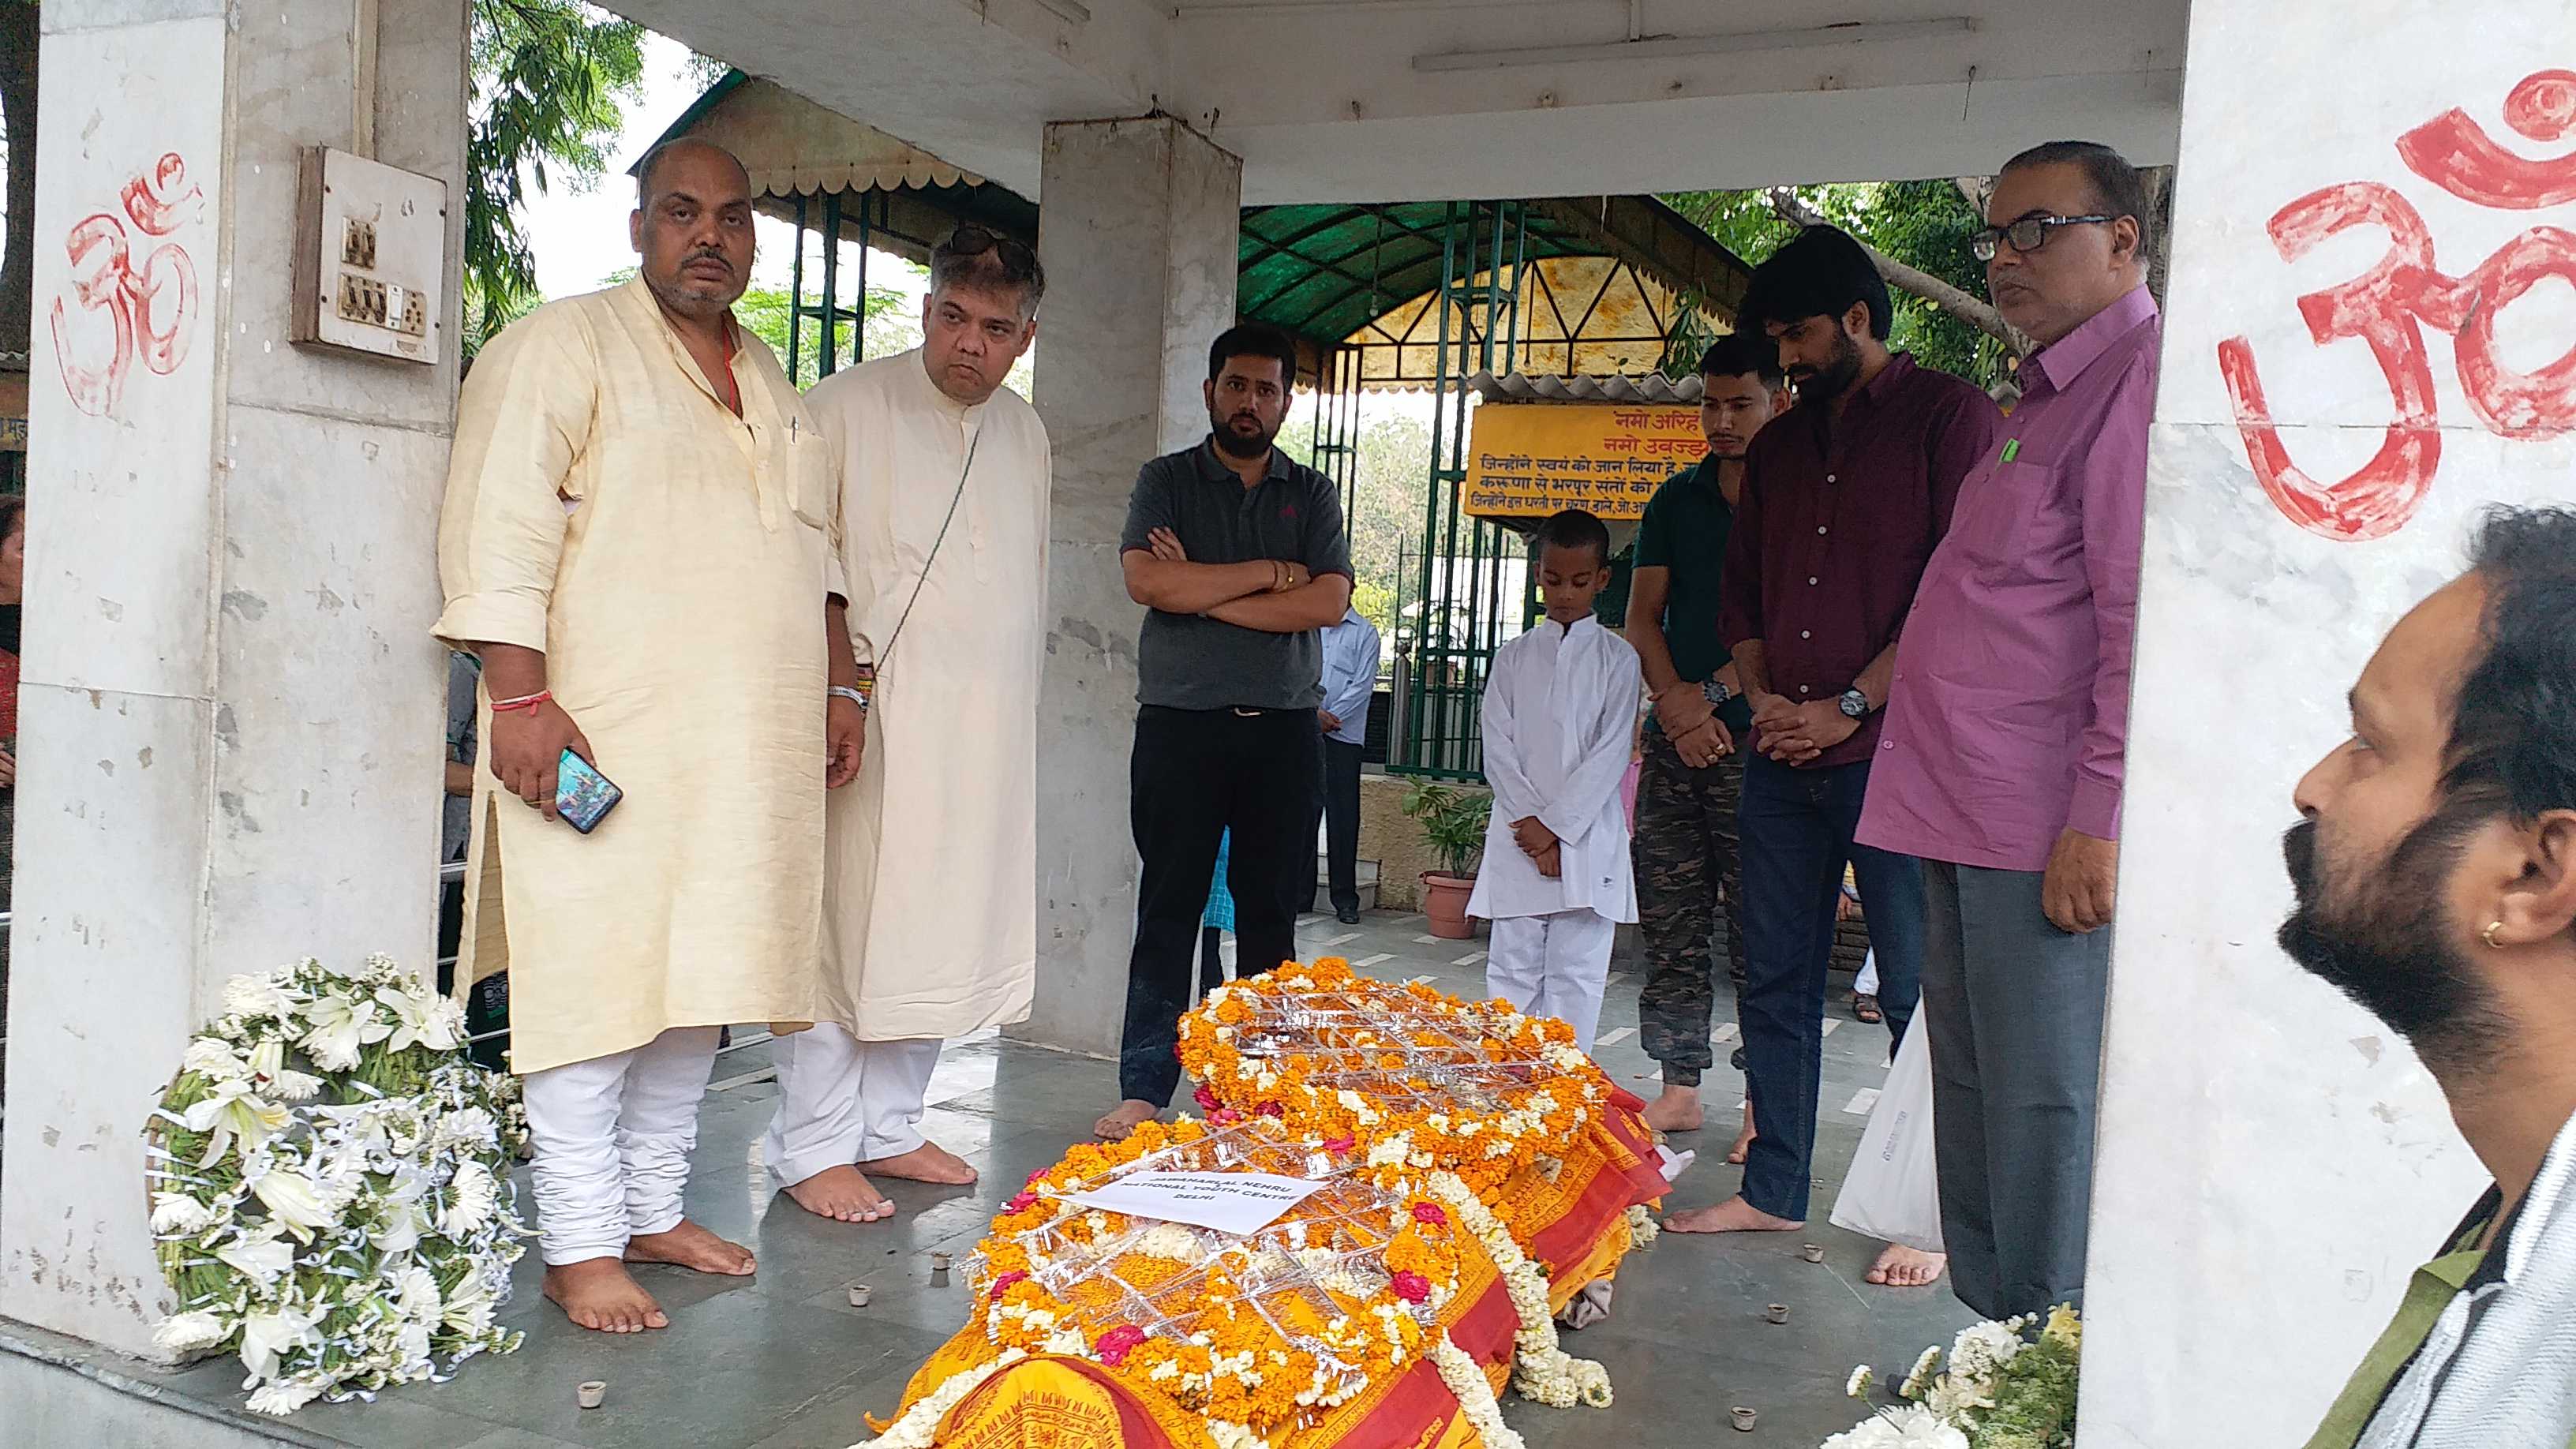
<point x="973" y="241"/>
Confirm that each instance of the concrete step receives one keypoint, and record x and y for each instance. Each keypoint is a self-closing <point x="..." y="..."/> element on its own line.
<point x="1368" y="877"/>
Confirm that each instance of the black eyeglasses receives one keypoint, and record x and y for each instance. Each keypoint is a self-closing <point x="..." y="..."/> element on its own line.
<point x="2026" y="235"/>
<point x="1017" y="259"/>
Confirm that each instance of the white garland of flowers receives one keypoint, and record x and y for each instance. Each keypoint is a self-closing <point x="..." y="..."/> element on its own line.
<point x="1540" y="1369"/>
<point x="330" y="1187"/>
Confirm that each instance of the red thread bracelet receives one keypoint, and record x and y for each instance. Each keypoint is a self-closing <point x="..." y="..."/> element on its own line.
<point x="525" y="701"/>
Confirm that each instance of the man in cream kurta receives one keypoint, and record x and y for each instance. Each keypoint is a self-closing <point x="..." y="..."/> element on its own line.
<point x="930" y="887"/>
<point x="634" y="541"/>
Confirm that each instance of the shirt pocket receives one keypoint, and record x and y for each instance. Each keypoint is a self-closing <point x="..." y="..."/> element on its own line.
<point x="813" y="484"/>
<point x="1992" y="524"/>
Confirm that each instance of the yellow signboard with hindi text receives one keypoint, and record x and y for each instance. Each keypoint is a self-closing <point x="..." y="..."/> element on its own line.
<point x="1528" y="460"/>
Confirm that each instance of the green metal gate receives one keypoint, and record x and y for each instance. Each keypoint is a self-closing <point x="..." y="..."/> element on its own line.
<point x="1448" y="638"/>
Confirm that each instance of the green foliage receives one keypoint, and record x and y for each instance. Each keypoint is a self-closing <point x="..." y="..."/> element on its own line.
<point x="1924" y="224"/>
<point x="765" y="311"/>
<point x="2034" y="1400"/>
<point x="550" y="81"/>
<point x="1392" y="476"/>
<point x="1453" y="823"/>
<point x="1376" y="603"/>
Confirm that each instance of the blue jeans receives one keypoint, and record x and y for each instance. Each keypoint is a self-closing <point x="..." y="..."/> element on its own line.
<point x="1797" y="830"/>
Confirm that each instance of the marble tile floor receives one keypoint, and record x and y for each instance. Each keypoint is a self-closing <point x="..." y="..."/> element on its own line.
<point x="781" y="1361"/>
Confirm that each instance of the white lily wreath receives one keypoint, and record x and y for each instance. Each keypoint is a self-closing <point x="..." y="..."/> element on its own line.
<point x="330" y="1187"/>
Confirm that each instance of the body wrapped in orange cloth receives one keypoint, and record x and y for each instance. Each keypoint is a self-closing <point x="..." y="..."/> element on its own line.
<point x="1532" y="1126"/>
<point x="1479" y="1173"/>
<point x="1366" y="1314"/>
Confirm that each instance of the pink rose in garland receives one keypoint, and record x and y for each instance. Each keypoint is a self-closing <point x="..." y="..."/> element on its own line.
<point x="1022" y="1203"/>
<point x="1338" y="1145"/>
<point x="1411" y="1287"/>
<point x="1005" y="1281"/>
<point x="1272" y="1109"/>
<point x="1117" y="1343"/>
<point x="1430" y="1212"/>
<point x="1206" y="1099"/>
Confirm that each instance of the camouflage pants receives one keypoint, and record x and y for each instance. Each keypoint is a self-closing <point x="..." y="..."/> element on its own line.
<point x="1685" y="851"/>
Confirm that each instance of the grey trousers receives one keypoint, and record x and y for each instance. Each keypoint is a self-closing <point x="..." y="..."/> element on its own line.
<point x="2015" y="1008"/>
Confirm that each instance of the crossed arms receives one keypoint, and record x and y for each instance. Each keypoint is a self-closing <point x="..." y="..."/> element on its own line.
<point x="1271" y="595"/>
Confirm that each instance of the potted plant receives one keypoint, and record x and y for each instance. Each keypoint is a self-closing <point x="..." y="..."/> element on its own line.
<point x="1453" y="825"/>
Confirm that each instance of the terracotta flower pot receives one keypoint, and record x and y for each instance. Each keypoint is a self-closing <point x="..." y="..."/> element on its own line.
<point x="1444" y="901"/>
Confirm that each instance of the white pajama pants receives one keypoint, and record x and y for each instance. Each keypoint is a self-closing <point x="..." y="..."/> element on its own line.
<point x="1555" y="965"/>
<point x="613" y="1136"/>
<point x="842" y="1101"/>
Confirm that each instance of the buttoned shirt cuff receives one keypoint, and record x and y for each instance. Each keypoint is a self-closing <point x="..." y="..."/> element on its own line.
<point x="494" y="618"/>
<point x="2095" y="810"/>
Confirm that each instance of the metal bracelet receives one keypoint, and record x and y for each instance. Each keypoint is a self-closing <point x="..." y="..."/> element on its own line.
<point x="843" y="691"/>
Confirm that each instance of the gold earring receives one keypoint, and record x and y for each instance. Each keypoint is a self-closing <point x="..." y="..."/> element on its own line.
<point x="2488" y="935"/>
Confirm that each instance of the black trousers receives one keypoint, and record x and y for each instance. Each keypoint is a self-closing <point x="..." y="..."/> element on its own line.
<point x="1340" y="806"/>
<point x="1196" y="774"/>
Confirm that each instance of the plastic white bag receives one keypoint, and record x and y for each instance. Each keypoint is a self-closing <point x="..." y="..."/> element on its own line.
<point x="1893" y="1191"/>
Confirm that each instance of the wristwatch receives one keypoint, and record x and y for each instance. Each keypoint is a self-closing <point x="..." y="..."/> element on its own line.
<point x="1854" y="704"/>
<point x="1716" y="692"/>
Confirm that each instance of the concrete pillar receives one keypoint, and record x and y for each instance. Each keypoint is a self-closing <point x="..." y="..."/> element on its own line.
<point x="231" y="716"/>
<point x="1138" y="237"/>
<point x="2271" y="1156"/>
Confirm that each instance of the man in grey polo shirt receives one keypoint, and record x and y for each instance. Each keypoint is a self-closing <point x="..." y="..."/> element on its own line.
<point x="1237" y="553"/>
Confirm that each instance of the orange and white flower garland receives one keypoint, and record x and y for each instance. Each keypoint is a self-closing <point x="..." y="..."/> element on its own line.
<point x="1473" y="1093"/>
<point x="1247" y="1333"/>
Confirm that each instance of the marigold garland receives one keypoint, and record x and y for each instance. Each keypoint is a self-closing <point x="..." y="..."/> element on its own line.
<point x="1428" y="1080"/>
<point x="1250" y="1333"/>
<point x="1442" y="1128"/>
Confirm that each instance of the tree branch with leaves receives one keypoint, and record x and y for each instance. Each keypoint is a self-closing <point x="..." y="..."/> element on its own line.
<point x="1956" y="301"/>
<point x="551" y="81"/>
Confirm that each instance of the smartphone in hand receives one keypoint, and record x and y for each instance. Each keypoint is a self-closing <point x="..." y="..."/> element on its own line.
<point x="583" y="796"/>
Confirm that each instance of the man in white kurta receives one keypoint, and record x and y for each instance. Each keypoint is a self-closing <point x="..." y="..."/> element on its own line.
<point x="930" y="887"/>
<point x="634" y="543"/>
<point x="1559" y="719"/>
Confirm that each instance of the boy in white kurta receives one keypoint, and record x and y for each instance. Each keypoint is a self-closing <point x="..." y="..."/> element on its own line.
<point x="1560" y="711"/>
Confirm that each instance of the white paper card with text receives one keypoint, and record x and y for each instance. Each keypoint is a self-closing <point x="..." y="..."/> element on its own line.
<point x="1229" y="1202"/>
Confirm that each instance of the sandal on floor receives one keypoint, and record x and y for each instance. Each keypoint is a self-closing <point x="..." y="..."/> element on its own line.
<point x="1865" y="1007"/>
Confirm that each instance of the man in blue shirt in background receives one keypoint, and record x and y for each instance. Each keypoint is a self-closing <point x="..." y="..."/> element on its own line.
<point x="1350" y="677"/>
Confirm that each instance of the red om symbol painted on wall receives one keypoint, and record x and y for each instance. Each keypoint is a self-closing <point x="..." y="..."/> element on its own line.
<point x="151" y="306"/>
<point x="2389" y="305"/>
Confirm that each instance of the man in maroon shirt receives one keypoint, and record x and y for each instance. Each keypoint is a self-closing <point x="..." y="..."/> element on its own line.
<point x="1843" y="499"/>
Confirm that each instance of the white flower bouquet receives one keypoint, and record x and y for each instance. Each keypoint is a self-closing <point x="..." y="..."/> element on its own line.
<point x="330" y="1189"/>
<point x="2010" y="1385"/>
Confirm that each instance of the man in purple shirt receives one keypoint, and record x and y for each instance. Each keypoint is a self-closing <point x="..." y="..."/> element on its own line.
<point x="1844" y="497"/>
<point x="2000" y="764"/>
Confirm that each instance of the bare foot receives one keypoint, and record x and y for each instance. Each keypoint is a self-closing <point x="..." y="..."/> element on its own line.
<point x="599" y="1294"/>
<point x="692" y="1247"/>
<point x="1734" y="1215"/>
<point x="842" y="1194"/>
<point x="1131" y="1114"/>
<point x="1743" y="1140"/>
<point x="1904" y="1267"/>
<point x="1677" y="1110"/>
<point x="929" y="1162"/>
